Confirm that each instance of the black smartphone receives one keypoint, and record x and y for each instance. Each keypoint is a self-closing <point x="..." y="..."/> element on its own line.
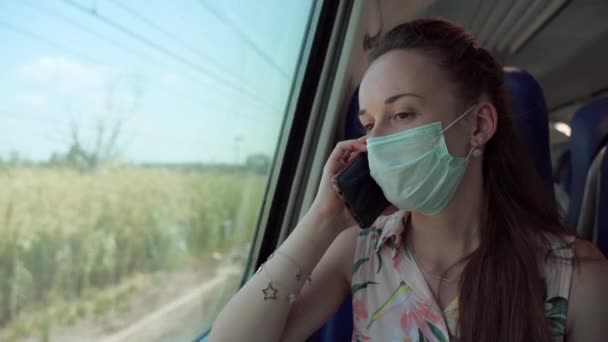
<point x="362" y="196"/>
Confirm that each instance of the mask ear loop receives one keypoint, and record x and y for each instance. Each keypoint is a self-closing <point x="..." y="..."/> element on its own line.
<point x="474" y="151"/>
<point x="458" y="118"/>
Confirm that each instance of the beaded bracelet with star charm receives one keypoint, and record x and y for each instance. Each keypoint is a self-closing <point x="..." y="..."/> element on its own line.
<point x="270" y="292"/>
<point x="301" y="272"/>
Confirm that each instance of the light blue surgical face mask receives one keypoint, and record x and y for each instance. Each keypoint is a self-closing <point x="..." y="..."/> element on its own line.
<point x="414" y="168"/>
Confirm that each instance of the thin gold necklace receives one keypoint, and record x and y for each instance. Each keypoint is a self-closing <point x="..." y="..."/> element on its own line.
<point x="419" y="263"/>
<point x="447" y="280"/>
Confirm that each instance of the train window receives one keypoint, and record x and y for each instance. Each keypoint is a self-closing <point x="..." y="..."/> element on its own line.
<point x="135" y="148"/>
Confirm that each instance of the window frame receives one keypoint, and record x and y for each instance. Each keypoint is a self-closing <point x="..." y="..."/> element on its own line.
<point x="307" y="79"/>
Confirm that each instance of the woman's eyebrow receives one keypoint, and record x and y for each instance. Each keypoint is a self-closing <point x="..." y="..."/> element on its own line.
<point x="394" y="98"/>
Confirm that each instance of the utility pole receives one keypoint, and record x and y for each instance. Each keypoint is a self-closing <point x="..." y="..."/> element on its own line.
<point x="237" y="145"/>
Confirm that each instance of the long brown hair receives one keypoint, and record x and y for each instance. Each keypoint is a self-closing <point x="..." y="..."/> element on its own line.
<point x="502" y="290"/>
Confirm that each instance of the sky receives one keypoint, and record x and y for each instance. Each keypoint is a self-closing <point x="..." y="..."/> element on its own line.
<point x="189" y="80"/>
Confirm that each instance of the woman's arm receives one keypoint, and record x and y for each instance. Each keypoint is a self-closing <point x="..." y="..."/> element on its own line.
<point x="331" y="283"/>
<point x="588" y="307"/>
<point x="251" y="315"/>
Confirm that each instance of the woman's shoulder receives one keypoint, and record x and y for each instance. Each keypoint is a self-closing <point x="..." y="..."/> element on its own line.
<point x="585" y="250"/>
<point x="591" y="270"/>
<point x="588" y="297"/>
<point x="389" y="223"/>
<point x="572" y="246"/>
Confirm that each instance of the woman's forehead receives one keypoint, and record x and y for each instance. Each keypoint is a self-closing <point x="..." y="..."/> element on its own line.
<point x="400" y="71"/>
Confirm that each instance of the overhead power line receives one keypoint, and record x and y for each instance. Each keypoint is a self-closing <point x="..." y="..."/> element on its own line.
<point x="164" y="31"/>
<point x="212" y="75"/>
<point x="39" y="38"/>
<point x="101" y="37"/>
<point x="83" y="28"/>
<point x="244" y="37"/>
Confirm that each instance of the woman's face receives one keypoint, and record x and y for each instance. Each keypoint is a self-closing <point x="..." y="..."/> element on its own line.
<point x="404" y="89"/>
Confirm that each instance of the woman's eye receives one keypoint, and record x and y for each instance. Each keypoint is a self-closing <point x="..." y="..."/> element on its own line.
<point x="404" y="115"/>
<point x="368" y="127"/>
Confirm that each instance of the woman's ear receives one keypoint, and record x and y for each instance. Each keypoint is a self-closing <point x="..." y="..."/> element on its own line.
<point x="486" y="124"/>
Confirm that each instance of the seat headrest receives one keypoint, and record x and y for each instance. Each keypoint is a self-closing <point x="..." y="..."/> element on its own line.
<point x="530" y="117"/>
<point x="353" y="128"/>
<point x="589" y="133"/>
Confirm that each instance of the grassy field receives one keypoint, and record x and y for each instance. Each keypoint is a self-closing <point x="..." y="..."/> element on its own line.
<point x="66" y="235"/>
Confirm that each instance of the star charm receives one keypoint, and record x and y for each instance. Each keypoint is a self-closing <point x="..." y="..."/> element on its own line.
<point x="270" y="292"/>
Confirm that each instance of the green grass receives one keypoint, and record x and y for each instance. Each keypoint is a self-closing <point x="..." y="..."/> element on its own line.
<point x="64" y="235"/>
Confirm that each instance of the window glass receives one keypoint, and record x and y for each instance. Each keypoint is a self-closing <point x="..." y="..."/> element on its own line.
<point x="136" y="139"/>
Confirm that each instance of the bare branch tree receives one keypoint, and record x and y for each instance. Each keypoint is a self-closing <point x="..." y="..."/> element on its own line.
<point x="108" y="129"/>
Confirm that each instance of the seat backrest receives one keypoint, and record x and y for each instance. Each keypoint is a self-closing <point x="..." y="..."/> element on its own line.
<point x="531" y="119"/>
<point x="589" y="133"/>
<point x="587" y="225"/>
<point x="528" y="101"/>
<point x="602" y="200"/>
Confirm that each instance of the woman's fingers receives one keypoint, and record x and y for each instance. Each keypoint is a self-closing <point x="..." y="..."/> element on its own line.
<point x="357" y="148"/>
<point x="345" y="148"/>
<point x="352" y="156"/>
<point x="344" y="152"/>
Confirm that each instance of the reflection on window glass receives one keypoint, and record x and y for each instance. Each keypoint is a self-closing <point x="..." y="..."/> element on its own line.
<point x="136" y="139"/>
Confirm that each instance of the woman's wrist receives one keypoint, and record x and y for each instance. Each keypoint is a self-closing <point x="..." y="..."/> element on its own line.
<point x="327" y="223"/>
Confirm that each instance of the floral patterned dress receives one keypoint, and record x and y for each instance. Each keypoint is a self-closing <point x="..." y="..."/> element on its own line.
<point x="392" y="301"/>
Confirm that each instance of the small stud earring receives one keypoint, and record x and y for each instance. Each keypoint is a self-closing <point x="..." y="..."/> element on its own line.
<point x="476" y="153"/>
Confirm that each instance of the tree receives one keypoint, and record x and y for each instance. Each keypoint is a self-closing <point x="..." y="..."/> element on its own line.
<point x="108" y="130"/>
<point x="260" y="163"/>
<point x="15" y="158"/>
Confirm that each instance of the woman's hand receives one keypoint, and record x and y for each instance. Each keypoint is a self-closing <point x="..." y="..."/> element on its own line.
<point x="327" y="202"/>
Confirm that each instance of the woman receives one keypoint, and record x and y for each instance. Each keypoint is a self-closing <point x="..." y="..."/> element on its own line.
<point x="474" y="249"/>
